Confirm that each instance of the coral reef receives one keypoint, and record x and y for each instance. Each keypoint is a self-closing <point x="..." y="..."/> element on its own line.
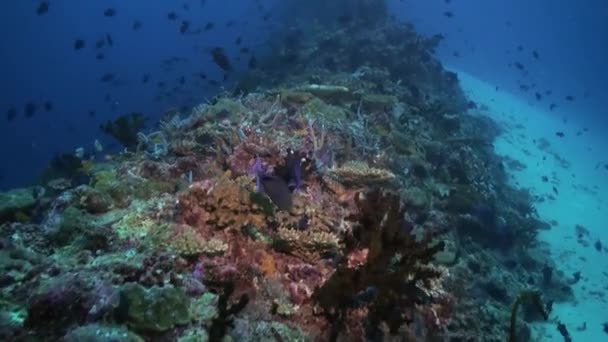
<point x="340" y="193"/>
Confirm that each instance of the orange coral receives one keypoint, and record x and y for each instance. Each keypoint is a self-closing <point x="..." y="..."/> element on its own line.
<point x="223" y="204"/>
<point x="267" y="263"/>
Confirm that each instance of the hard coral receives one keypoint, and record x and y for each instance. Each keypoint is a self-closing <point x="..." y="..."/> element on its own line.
<point x="223" y="204"/>
<point x="359" y="173"/>
<point x="394" y="276"/>
<point x="186" y="241"/>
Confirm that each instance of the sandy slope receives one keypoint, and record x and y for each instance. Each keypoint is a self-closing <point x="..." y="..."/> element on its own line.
<point x="570" y="164"/>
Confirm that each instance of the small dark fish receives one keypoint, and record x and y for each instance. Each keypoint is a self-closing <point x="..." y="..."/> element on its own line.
<point x="48" y="106"/>
<point x="107" y="77"/>
<point x="79" y="44"/>
<point x="244" y="50"/>
<point x="605" y="327"/>
<point x="598" y="245"/>
<point x="560" y="134"/>
<point x="11" y="114"/>
<point x="545" y="179"/>
<point x="182" y="80"/>
<point x="456" y="54"/>
<point x="555" y="191"/>
<point x="110" y="12"/>
<point x="109" y="39"/>
<point x="266" y="16"/>
<point x="220" y="59"/>
<point x="538" y="96"/>
<point x="448" y="14"/>
<point x="100" y="56"/>
<point x="563" y="330"/>
<point x="184" y="27"/>
<point x="209" y="26"/>
<point x="253" y="63"/>
<point x="520" y="48"/>
<point x="535" y="54"/>
<point x="519" y="66"/>
<point x="136" y="25"/>
<point x="145" y="79"/>
<point x="161" y="84"/>
<point x="172" y="16"/>
<point x="42" y="8"/>
<point x="92" y="113"/>
<point x="30" y="109"/>
<point x="202" y="75"/>
<point x="552" y="106"/>
<point x="238" y="41"/>
<point x="570" y="98"/>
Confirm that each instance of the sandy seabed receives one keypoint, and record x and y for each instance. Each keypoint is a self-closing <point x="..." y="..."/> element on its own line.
<point x="570" y="164"/>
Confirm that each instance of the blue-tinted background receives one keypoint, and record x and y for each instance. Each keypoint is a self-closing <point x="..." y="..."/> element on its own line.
<point x="38" y="62"/>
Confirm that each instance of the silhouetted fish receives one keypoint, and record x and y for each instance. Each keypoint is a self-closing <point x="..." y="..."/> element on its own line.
<point x="560" y="134"/>
<point x="238" y="40"/>
<point x="535" y="54"/>
<point x="110" y="12"/>
<point x="538" y="96"/>
<point x="182" y="80"/>
<point x="136" y="25"/>
<point x="220" y="59"/>
<point x="30" y="109"/>
<point x="100" y="56"/>
<point x="11" y="114"/>
<point x="448" y="14"/>
<point x="109" y="39"/>
<point x="43" y="8"/>
<point x="48" y="106"/>
<point x="570" y="98"/>
<point x="107" y="77"/>
<point x="172" y="16"/>
<point x="79" y="44"/>
<point x="209" y="26"/>
<point x="552" y="106"/>
<point x="184" y="27"/>
<point x="519" y="66"/>
<point x="92" y="113"/>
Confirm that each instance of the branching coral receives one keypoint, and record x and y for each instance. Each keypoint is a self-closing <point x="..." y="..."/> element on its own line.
<point x="395" y="272"/>
<point x="305" y="243"/>
<point x="186" y="241"/>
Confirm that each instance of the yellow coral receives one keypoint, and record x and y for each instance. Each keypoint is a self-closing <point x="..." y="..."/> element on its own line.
<point x="305" y="243"/>
<point x="186" y="241"/>
<point x="359" y="173"/>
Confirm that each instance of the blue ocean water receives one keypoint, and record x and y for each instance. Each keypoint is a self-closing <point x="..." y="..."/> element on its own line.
<point x="538" y="67"/>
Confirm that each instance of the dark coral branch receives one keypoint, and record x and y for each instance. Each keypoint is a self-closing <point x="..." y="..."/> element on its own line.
<point x="397" y="264"/>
